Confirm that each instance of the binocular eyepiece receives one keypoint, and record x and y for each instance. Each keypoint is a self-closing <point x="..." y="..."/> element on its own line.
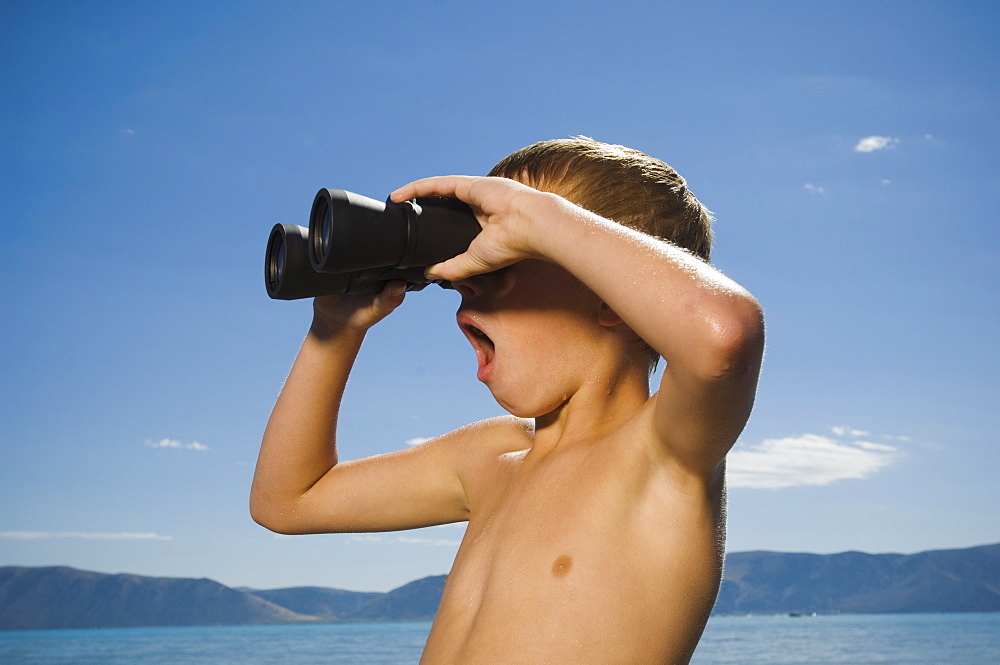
<point x="355" y="245"/>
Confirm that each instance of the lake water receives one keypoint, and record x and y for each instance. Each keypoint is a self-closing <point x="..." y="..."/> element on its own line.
<point x="860" y="639"/>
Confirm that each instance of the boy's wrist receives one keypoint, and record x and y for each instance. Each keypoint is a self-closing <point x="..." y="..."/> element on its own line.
<point x="328" y="330"/>
<point x="545" y="223"/>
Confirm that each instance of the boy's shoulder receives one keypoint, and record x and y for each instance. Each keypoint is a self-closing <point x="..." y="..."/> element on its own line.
<point x="477" y="450"/>
<point x="484" y="440"/>
<point x="492" y="437"/>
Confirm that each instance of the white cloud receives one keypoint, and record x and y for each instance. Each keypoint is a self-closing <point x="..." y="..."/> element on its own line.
<point x="873" y="143"/>
<point x="427" y="537"/>
<point x="170" y="443"/>
<point x="810" y="459"/>
<point x="84" y="535"/>
<point x="868" y="445"/>
<point x="416" y="441"/>
<point x="433" y="542"/>
<point x="365" y="538"/>
<point x="844" y="430"/>
<point x="886" y="181"/>
<point x="814" y="189"/>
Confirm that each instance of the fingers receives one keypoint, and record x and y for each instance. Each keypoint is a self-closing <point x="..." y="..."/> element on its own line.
<point x="357" y="313"/>
<point x="448" y="185"/>
<point x="388" y="299"/>
<point x="498" y="205"/>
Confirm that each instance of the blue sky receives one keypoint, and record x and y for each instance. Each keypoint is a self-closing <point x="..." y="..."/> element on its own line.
<point x="849" y="151"/>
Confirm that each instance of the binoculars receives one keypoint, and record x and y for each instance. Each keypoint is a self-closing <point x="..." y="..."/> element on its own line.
<point x="356" y="245"/>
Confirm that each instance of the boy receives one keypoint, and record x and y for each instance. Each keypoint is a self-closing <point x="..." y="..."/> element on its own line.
<point x="596" y="514"/>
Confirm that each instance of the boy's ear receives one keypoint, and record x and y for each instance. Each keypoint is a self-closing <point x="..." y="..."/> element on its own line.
<point x="607" y="316"/>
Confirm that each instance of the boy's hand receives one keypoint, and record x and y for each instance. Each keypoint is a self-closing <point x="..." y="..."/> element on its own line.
<point x="499" y="204"/>
<point x="354" y="315"/>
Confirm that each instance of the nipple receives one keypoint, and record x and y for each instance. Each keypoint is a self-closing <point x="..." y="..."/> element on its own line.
<point x="561" y="566"/>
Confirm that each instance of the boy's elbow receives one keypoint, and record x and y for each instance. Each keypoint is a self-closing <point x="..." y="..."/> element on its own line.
<point x="286" y="517"/>
<point x="260" y="514"/>
<point x="735" y="343"/>
<point x="270" y="516"/>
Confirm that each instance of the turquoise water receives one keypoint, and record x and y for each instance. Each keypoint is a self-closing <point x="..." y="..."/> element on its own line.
<point x="865" y="639"/>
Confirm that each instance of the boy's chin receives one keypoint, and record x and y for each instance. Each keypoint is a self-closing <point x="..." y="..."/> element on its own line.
<point x="525" y="408"/>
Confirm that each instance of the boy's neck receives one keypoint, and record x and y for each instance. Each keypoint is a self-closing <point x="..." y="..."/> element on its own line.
<point x="595" y="410"/>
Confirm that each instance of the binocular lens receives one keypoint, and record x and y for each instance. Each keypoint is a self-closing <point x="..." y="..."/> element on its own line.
<point x="276" y="261"/>
<point x="327" y="230"/>
<point x="321" y="240"/>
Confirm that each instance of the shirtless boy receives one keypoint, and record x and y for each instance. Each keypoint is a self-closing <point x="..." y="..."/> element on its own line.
<point x="596" y="512"/>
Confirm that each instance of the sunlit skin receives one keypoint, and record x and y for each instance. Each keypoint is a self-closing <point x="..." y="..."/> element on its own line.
<point x="596" y="511"/>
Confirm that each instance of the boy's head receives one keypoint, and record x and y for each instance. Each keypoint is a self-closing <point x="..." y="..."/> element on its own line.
<point x="621" y="184"/>
<point x="618" y="183"/>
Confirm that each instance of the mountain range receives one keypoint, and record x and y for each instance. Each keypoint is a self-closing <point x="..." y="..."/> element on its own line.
<point x="964" y="580"/>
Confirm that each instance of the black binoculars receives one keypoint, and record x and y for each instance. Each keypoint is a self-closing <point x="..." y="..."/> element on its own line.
<point x="356" y="245"/>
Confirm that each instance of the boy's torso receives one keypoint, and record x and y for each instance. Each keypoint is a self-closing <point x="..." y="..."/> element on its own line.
<point x="602" y="552"/>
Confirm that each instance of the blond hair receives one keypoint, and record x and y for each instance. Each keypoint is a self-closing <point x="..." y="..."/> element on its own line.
<point x="621" y="184"/>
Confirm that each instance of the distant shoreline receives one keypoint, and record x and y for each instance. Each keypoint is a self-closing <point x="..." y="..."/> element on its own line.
<point x="754" y="584"/>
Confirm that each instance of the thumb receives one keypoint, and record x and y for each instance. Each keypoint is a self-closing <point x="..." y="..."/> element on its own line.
<point x="459" y="267"/>
<point x="439" y="271"/>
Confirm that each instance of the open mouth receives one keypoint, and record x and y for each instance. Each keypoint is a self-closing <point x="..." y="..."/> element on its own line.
<point x="481" y="342"/>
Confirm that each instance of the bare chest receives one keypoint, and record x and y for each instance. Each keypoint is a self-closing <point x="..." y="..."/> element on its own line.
<point x="575" y="560"/>
<point x="578" y="551"/>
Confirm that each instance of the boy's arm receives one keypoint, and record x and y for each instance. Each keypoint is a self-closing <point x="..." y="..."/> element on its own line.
<point x="708" y="329"/>
<point x="299" y="487"/>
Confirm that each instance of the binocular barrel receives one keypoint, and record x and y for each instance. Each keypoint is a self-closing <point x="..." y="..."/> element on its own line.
<point x="355" y="245"/>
